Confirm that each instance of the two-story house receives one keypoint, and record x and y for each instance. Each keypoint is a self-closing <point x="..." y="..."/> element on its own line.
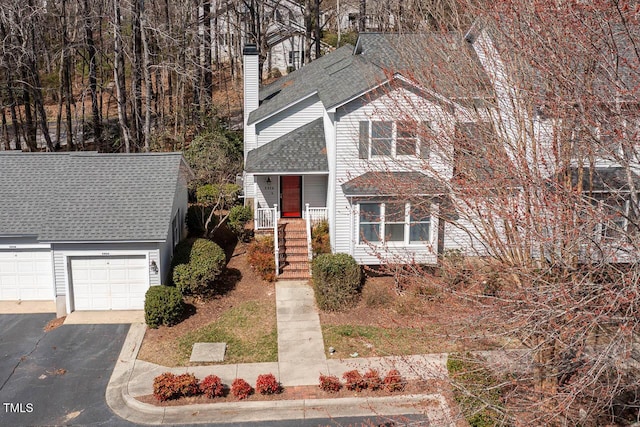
<point x="348" y="138"/>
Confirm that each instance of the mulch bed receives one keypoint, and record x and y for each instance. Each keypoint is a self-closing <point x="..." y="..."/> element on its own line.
<point x="301" y="392"/>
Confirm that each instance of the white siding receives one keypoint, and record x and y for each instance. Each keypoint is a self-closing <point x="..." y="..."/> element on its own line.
<point x="289" y="120"/>
<point x="268" y="193"/>
<point x="349" y="166"/>
<point x="314" y="190"/>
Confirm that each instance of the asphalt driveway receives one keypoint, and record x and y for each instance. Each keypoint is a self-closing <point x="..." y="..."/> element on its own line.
<point x="57" y="377"/>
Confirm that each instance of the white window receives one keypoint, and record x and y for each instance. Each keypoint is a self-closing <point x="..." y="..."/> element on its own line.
<point x="394" y="223"/>
<point x="394" y="139"/>
<point x="615" y="216"/>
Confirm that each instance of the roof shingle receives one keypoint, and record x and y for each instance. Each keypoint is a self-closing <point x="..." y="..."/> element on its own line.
<point x="88" y="196"/>
<point x="301" y="150"/>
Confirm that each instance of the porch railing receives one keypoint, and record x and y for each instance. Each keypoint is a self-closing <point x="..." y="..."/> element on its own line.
<point x="312" y="217"/>
<point x="265" y="218"/>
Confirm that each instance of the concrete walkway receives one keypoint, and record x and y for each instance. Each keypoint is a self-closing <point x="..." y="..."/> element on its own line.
<point x="300" y="340"/>
<point x="301" y="359"/>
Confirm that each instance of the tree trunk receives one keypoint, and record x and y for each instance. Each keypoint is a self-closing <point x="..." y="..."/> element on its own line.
<point x="118" y="74"/>
<point x="148" y="87"/>
<point x="93" y="81"/>
<point x="136" y="12"/>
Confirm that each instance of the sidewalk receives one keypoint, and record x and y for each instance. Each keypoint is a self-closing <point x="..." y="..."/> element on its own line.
<point x="301" y="359"/>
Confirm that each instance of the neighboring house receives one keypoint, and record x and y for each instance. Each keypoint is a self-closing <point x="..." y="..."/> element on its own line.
<point x="328" y="141"/>
<point x="282" y="31"/>
<point x="89" y="231"/>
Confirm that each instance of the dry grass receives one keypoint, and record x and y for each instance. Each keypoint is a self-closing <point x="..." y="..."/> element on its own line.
<point x="418" y="321"/>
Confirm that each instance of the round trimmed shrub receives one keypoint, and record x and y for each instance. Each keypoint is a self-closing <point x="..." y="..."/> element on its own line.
<point x="239" y="216"/>
<point x="163" y="305"/>
<point x="206" y="262"/>
<point x="336" y="281"/>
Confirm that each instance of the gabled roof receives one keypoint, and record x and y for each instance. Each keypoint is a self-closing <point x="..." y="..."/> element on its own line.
<point x="392" y="184"/>
<point x="85" y="196"/>
<point x="429" y="59"/>
<point x="301" y="150"/>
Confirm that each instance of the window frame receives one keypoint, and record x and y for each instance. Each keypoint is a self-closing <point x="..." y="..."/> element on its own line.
<point x="382" y="225"/>
<point x="420" y="151"/>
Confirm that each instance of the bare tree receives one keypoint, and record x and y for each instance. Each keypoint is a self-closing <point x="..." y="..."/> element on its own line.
<point x="532" y="130"/>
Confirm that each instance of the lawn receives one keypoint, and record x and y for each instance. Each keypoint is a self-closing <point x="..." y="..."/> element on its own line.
<point x="243" y="316"/>
<point x="248" y="329"/>
<point x="387" y="324"/>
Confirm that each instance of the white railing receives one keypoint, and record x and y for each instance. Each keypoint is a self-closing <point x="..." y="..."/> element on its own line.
<point x="265" y="218"/>
<point x="276" y="241"/>
<point x="316" y="215"/>
<point x="312" y="217"/>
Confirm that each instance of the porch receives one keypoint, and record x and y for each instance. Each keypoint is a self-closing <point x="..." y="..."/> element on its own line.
<point x="292" y="239"/>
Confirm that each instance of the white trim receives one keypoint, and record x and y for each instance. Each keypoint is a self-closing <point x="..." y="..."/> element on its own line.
<point x="26" y="246"/>
<point x="288" y="173"/>
<point x="286" y="107"/>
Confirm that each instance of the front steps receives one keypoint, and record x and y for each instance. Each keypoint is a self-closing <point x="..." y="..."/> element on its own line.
<point x="294" y="259"/>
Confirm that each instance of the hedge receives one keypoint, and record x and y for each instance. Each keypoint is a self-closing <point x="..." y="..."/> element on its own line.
<point x="336" y="281"/>
<point x="163" y="305"/>
<point x="206" y="262"/>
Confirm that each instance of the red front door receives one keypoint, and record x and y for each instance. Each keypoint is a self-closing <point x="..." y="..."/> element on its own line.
<point x="291" y="196"/>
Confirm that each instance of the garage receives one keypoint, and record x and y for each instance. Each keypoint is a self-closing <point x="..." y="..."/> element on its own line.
<point x="109" y="282"/>
<point x="26" y="275"/>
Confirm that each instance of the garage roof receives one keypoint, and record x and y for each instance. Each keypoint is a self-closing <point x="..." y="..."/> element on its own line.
<point x="86" y="196"/>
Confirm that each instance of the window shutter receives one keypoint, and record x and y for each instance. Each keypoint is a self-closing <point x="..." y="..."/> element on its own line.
<point x="363" y="146"/>
<point x="425" y="133"/>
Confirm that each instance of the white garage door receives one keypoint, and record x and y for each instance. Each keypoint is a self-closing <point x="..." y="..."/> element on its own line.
<point x="109" y="283"/>
<point x="26" y="275"/>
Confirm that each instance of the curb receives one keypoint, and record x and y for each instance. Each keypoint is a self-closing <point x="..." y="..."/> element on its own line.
<point x="432" y="406"/>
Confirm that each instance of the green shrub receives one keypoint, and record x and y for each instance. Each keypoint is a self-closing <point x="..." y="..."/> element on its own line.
<point x="260" y="255"/>
<point x="163" y="306"/>
<point x="336" y="281"/>
<point x="206" y="262"/>
<point x="239" y="216"/>
<point x="320" y="243"/>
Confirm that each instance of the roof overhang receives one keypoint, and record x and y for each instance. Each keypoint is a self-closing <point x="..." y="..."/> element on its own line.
<point x="389" y="184"/>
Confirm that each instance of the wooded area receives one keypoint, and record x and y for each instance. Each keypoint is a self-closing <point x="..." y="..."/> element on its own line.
<point x="125" y="75"/>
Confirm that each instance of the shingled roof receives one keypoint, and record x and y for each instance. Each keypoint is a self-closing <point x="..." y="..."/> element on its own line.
<point x="429" y="59"/>
<point x="392" y="184"/>
<point x="80" y="197"/>
<point x="301" y="150"/>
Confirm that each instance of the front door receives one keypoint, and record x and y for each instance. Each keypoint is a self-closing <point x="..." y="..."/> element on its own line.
<point x="291" y="198"/>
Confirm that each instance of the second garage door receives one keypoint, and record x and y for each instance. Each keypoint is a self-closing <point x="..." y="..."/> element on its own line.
<point x="26" y="275"/>
<point x="109" y="283"/>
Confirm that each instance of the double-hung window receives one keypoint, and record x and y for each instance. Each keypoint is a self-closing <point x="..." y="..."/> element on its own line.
<point x="394" y="139"/>
<point x="394" y="223"/>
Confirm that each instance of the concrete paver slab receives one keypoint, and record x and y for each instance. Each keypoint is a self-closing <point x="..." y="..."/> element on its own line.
<point x="208" y="352"/>
<point x="297" y="373"/>
<point x="107" y="317"/>
<point x="27" y="307"/>
<point x="250" y="371"/>
<point x="227" y="373"/>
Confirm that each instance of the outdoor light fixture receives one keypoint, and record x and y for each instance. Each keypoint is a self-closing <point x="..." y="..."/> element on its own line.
<point x="154" y="267"/>
<point x="268" y="180"/>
